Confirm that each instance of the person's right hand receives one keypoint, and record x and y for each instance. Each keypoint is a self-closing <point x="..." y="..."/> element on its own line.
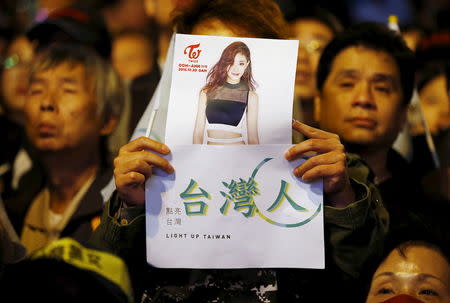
<point x="134" y="165"/>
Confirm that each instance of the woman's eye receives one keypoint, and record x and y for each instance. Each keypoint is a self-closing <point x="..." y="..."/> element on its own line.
<point x="428" y="292"/>
<point x="385" y="291"/>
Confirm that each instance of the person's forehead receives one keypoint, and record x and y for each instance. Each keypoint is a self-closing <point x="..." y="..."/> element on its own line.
<point x="417" y="259"/>
<point x="435" y="85"/>
<point x="305" y="28"/>
<point x="131" y="45"/>
<point x="215" y="27"/>
<point x="240" y="56"/>
<point x="20" y="45"/>
<point x="361" y="58"/>
<point x="132" y="38"/>
<point x="64" y="69"/>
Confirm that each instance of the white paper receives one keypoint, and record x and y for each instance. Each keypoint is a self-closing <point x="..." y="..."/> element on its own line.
<point x="284" y="237"/>
<point x="273" y="64"/>
<point x="191" y="220"/>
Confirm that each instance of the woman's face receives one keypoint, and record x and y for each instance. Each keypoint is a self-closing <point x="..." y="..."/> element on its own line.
<point x="313" y="36"/>
<point x="237" y="69"/>
<point x="14" y="76"/>
<point x="423" y="273"/>
<point x="131" y="56"/>
<point x="435" y="104"/>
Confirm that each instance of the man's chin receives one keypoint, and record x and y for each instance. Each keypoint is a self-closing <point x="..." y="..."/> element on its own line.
<point x="47" y="146"/>
<point x="354" y="143"/>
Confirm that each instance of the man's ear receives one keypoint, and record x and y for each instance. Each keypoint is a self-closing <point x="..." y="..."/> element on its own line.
<point x="317" y="101"/>
<point x="109" y="125"/>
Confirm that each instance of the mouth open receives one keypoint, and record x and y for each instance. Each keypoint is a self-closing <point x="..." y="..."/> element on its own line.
<point x="46" y="130"/>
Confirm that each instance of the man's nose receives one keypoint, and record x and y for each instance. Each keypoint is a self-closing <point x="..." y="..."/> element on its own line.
<point x="48" y="103"/>
<point x="364" y="96"/>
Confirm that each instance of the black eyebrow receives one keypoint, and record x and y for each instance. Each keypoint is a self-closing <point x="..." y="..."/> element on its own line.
<point x="383" y="77"/>
<point x="422" y="277"/>
<point x="347" y="73"/>
<point x="36" y="80"/>
<point x="320" y="37"/>
<point x="387" y="273"/>
<point x="69" y="80"/>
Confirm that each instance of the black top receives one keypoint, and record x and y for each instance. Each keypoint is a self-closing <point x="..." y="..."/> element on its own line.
<point x="227" y="104"/>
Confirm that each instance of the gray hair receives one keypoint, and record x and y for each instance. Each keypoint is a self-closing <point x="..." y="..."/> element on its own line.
<point x="108" y="87"/>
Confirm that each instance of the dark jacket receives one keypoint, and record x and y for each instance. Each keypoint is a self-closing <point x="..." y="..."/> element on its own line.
<point x="79" y="226"/>
<point x="413" y="213"/>
<point x="353" y="235"/>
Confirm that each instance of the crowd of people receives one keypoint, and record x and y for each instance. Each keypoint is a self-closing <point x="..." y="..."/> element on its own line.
<point x="76" y="77"/>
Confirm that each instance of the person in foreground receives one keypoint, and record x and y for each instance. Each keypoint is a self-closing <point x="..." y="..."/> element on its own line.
<point x="413" y="272"/>
<point x="350" y="206"/>
<point x="355" y="219"/>
<point x="366" y="105"/>
<point x="73" y="100"/>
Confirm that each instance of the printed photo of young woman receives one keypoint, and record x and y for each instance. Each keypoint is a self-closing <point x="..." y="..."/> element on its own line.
<point x="228" y="104"/>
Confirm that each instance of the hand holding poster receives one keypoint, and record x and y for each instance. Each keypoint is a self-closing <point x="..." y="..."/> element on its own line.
<point x="254" y="213"/>
<point x="232" y="204"/>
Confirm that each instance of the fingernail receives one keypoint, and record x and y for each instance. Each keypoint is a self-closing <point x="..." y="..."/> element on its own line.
<point x="171" y="169"/>
<point x="165" y="149"/>
<point x="287" y="155"/>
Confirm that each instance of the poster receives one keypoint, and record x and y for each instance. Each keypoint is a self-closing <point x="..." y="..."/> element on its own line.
<point x="272" y="65"/>
<point x="233" y="201"/>
<point x="253" y="213"/>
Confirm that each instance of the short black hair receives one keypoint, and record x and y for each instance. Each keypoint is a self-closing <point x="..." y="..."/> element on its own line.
<point x="429" y="72"/>
<point x="260" y="18"/>
<point x="73" y="24"/>
<point x="374" y="36"/>
<point x="321" y="15"/>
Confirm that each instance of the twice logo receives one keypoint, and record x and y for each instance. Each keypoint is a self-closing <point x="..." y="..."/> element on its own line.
<point x="192" y="51"/>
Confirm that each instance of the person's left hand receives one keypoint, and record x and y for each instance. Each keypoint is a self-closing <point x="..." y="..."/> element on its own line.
<point x="329" y="163"/>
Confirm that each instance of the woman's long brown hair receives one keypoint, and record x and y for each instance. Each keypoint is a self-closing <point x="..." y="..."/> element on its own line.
<point x="218" y="73"/>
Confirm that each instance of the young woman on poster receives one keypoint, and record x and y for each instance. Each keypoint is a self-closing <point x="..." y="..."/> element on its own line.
<point x="228" y="105"/>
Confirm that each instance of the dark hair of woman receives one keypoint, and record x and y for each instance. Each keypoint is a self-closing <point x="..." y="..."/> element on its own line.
<point x="253" y="18"/>
<point x="218" y="73"/>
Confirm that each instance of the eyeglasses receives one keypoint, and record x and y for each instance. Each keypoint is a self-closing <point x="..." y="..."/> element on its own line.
<point x="313" y="46"/>
<point x="13" y="61"/>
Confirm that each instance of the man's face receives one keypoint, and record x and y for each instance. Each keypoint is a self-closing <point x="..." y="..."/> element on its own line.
<point x="313" y="36"/>
<point x="61" y="111"/>
<point x="361" y="99"/>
